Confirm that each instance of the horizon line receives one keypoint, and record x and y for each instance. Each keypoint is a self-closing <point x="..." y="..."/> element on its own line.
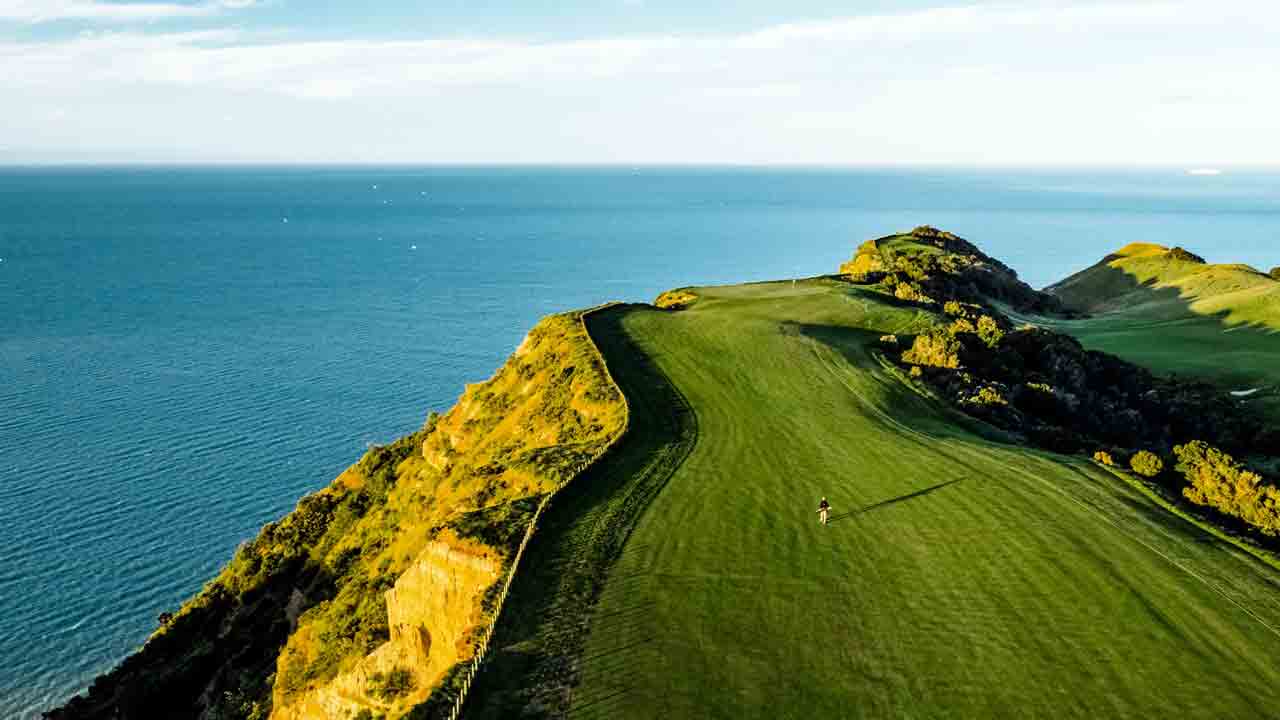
<point x="1188" y="168"/>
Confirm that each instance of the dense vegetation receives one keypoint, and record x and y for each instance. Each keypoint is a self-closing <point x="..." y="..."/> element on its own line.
<point x="930" y="267"/>
<point x="1218" y="481"/>
<point x="1035" y="382"/>
<point x="1146" y="463"/>
<point x="1275" y="273"/>
<point x="1047" y="387"/>
<point x="1044" y="386"/>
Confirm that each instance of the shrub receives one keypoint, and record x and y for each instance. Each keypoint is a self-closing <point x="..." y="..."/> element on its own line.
<point x="990" y="332"/>
<point x="392" y="684"/>
<point x="909" y="292"/>
<point x="955" y="308"/>
<point x="1275" y="272"/>
<point x="929" y="231"/>
<point x="1186" y="255"/>
<point x="1102" y="457"/>
<point x="936" y="348"/>
<point x="1218" y="481"/>
<point x="1147" y="464"/>
<point x="675" y="299"/>
<point x="989" y="396"/>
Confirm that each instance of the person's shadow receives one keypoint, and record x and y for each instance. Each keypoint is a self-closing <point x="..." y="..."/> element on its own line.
<point x="891" y="501"/>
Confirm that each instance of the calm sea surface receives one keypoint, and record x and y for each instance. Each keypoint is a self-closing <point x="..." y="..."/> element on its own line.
<point x="184" y="352"/>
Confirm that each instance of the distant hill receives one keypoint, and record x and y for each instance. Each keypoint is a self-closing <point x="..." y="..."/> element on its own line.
<point x="1162" y="283"/>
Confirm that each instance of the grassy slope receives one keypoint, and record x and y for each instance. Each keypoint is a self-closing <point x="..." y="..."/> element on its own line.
<point x="541" y="632"/>
<point x="1218" y="322"/>
<point x="960" y="578"/>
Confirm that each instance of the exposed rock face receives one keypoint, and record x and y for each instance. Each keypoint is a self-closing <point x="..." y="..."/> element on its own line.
<point x="435" y="603"/>
<point x="297" y="601"/>
<point x="430" y="610"/>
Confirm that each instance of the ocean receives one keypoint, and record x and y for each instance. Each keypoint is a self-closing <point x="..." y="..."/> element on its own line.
<point x="186" y="351"/>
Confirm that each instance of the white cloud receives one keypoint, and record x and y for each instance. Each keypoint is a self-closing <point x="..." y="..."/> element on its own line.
<point x="40" y="11"/>
<point x="1027" y="82"/>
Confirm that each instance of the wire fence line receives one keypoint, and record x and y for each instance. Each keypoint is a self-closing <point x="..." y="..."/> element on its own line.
<point x="474" y="665"/>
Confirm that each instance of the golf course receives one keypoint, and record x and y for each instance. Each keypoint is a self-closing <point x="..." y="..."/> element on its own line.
<point x="622" y="522"/>
<point x="961" y="575"/>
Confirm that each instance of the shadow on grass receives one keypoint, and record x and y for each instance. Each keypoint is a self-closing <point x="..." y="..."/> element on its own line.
<point x="1103" y="290"/>
<point x="538" y="653"/>
<point x="894" y="501"/>
<point x="901" y="404"/>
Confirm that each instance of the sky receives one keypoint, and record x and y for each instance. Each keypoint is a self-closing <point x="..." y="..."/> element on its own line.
<point x="813" y="82"/>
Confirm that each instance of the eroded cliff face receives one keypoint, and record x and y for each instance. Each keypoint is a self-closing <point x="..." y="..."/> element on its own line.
<point x="366" y="595"/>
<point x="430" y="611"/>
<point x="515" y="437"/>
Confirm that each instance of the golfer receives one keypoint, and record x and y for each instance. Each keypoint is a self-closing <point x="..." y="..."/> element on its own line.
<point x="824" y="511"/>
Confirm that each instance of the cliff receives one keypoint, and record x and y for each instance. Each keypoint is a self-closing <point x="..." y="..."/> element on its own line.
<point x="361" y="601"/>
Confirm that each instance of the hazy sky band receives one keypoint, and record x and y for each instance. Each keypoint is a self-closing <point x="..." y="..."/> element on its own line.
<point x="984" y="84"/>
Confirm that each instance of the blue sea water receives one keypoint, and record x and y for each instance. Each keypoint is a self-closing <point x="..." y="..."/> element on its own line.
<point x="186" y="351"/>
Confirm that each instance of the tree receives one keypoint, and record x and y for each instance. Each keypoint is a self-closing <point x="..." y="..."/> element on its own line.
<point x="1275" y="272"/>
<point x="1147" y="464"/>
<point x="989" y="395"/>
<point x="936" y="348"/>
<point x="1218" y="481"/>
<point x="990" y="332"/>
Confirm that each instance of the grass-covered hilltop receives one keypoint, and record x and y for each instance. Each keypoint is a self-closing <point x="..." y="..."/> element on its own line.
<point x="1057" y="503"/>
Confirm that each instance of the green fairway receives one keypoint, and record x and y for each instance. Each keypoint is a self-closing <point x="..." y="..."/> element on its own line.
<point x="1236" y="358"/>
<point x="960" y="577"/>
<point x="543" y="627"/>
